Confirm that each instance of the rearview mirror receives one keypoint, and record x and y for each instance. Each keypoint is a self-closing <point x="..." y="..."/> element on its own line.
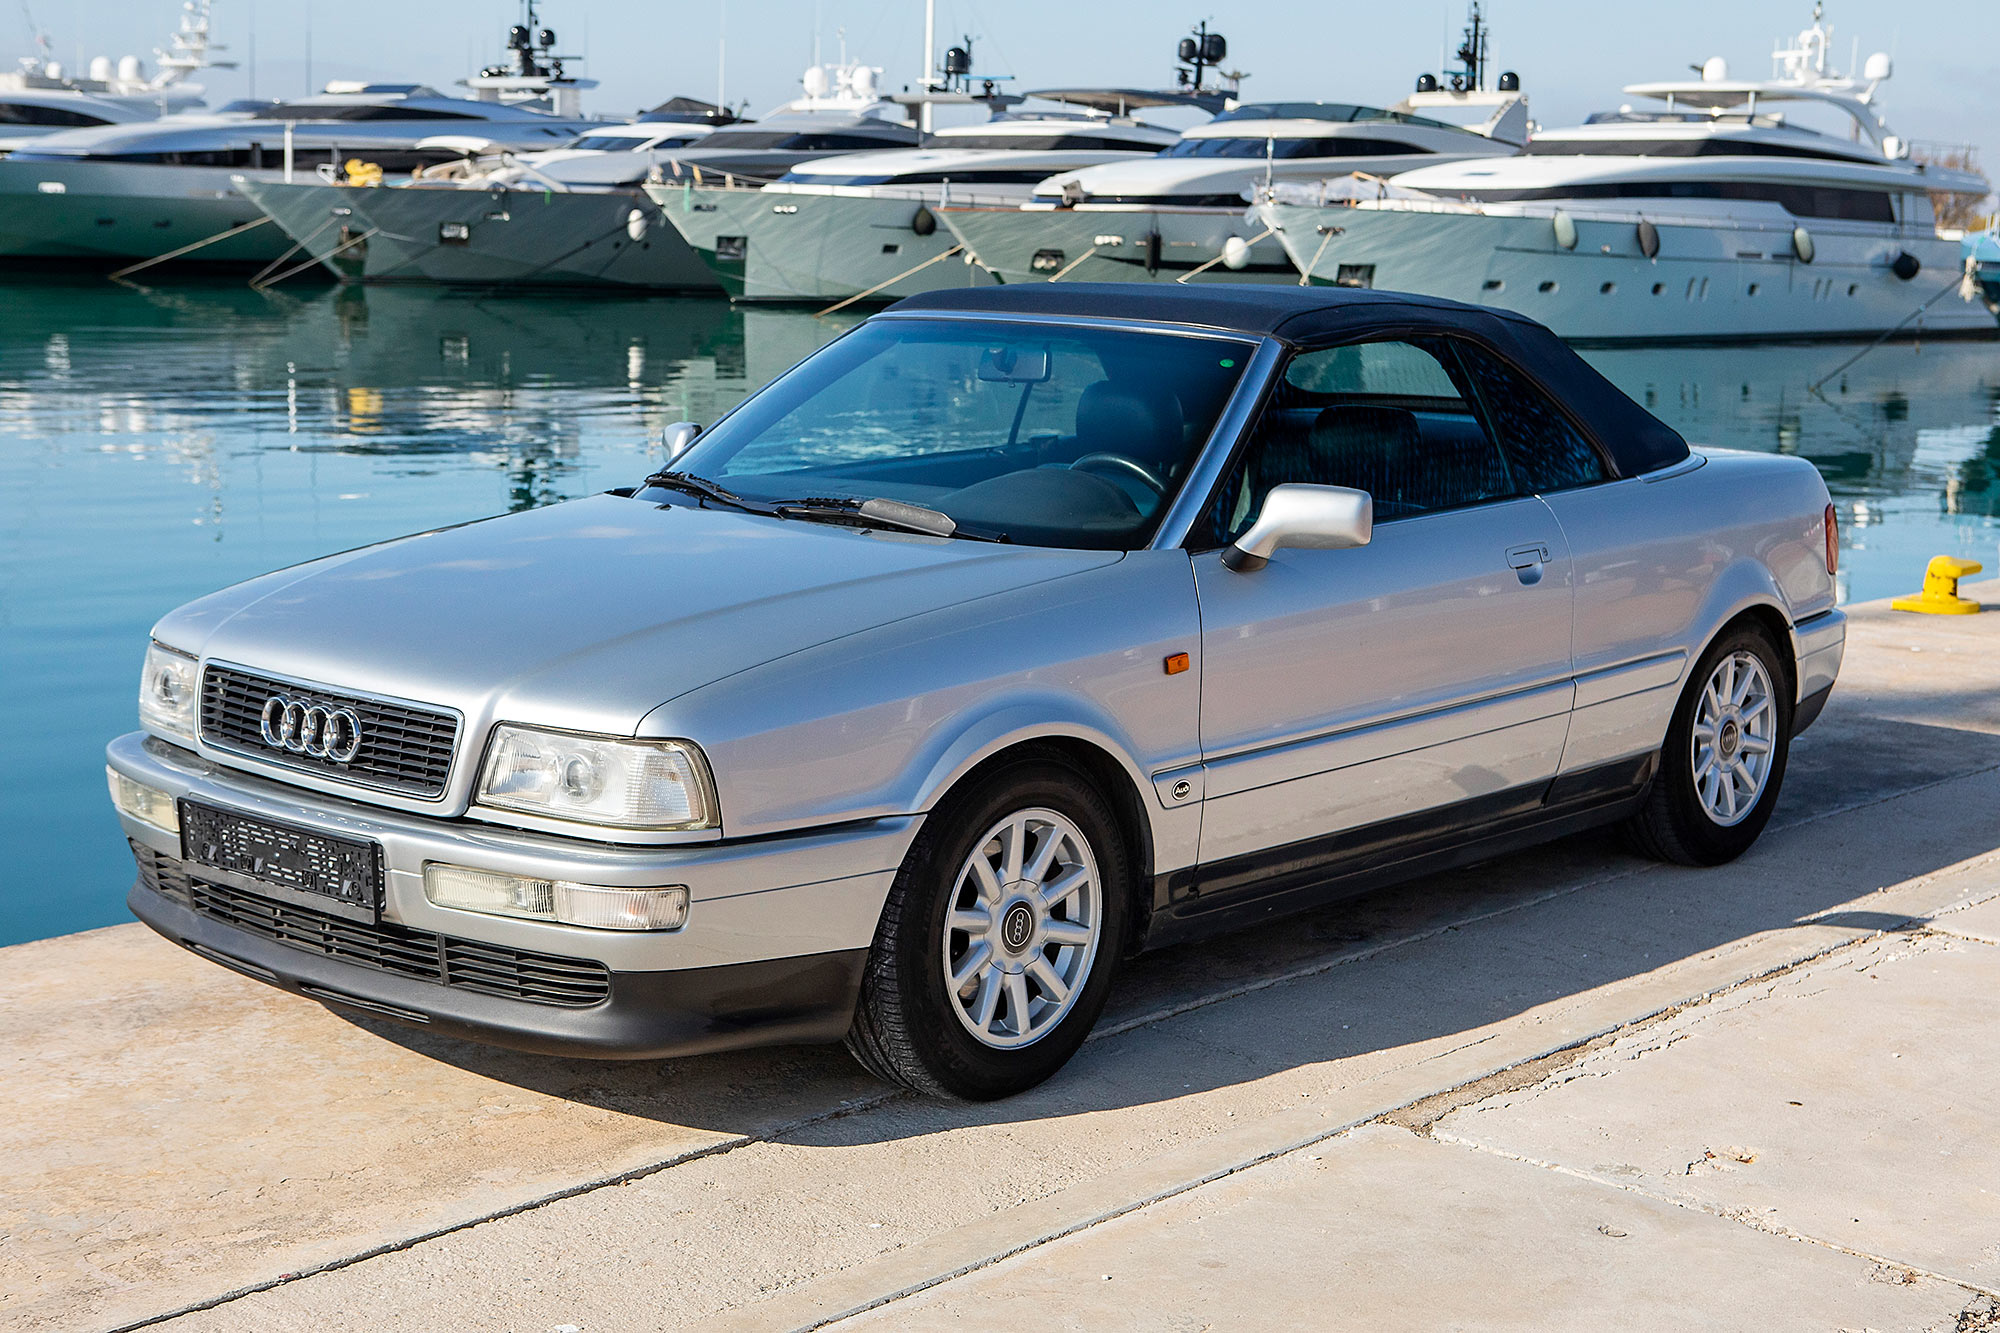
<point x="1318" y="518"/>
<point x="1014" y="365"/>
<point x="676" y="438"/>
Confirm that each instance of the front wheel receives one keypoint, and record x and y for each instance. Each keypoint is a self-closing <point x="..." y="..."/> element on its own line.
<point x="1724" y="758"/>
<point x="997" y="943"/>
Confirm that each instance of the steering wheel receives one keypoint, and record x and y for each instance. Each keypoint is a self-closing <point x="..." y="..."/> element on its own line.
<point x="1139" y="472"/>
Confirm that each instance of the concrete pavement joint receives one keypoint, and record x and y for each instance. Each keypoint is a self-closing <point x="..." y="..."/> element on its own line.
<point x="527" y="1206"/>
<point x="1463" y="1094"/>
<point x="1742" y="1216"/>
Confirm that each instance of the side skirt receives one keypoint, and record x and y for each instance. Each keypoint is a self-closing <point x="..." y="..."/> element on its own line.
<point x="1262" y="886"/>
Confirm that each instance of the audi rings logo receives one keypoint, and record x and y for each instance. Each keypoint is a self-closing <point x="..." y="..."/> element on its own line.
<point x="311" y="729"/>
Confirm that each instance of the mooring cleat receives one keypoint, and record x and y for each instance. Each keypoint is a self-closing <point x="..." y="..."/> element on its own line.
<point x="1940" y="595"/>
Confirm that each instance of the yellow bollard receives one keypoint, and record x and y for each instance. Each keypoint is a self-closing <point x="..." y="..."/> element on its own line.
<point x="1940" y="595"/>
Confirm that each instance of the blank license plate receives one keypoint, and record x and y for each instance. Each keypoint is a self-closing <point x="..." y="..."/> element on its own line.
<point x="283" y="857"/>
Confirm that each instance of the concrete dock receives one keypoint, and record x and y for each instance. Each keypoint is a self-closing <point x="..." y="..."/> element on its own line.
<point x="1565" y="1089"/>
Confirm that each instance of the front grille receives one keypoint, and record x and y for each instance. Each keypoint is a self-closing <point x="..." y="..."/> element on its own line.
<point x="404" y="747"/>
<point x="491" y="969"/>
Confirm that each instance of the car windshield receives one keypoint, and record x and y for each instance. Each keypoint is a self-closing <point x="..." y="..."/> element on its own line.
<point x="1049" y="434"/>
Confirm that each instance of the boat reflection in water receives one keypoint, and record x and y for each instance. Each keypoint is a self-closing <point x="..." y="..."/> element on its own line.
<point x="158" y="443"/>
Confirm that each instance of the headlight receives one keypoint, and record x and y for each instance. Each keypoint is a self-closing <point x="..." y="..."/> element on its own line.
<point x="598" y="780"/>
<point x="167" y="691"/>
<point x="596" y="905"/>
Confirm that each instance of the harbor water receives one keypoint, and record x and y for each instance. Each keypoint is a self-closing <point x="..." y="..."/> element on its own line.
<point x="157" y="443"/>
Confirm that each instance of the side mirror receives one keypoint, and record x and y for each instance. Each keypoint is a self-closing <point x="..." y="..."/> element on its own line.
<point x="676" y="438"/>
<point x="1318" y="518"/>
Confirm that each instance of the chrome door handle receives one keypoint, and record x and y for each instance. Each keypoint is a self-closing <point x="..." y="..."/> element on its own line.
<point x="1527" y="557"/>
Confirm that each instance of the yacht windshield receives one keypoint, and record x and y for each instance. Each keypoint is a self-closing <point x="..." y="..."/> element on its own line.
<point x="1047" y="434"/>
<point x="611" y="143"/>
<point x="1343" y="112"/>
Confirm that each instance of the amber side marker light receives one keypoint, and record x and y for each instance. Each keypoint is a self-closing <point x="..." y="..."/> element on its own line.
<point x="1832" y="541"/>
<point x="1176" y="663"/>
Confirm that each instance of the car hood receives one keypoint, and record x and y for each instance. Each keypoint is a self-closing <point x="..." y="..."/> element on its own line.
<point x="588" y="615"/>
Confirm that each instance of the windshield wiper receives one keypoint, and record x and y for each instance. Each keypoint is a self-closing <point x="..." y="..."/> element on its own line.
<point x="689" y="484"/>
<point x="879" y="513"/>
<point x="883" y="513"/>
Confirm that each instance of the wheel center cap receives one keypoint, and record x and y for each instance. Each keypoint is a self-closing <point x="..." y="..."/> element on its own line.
<point x="1731" y="735"/>
<point x="1017" y="927"/>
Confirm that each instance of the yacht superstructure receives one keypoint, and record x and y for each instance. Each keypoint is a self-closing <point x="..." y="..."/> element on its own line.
<point x="40" y="97"/>
<point x="1183" y="215"/>
<point x="577" y="217"/>
<point x="145" y="191"/>
<point x="866" y="224"/>
<point x="1716" y="213"/>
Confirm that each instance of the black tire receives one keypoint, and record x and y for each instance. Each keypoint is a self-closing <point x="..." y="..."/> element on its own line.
<point x="905" y="1030"/>
<point x="1674" y="825"/>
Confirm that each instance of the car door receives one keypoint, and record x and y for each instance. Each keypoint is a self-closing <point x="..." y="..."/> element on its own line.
<point x="1355" y="700"/>
<point x="1639" y="579"/>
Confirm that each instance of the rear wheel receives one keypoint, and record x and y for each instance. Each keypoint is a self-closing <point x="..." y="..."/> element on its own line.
<point x="1725" y="755"/>
<point x="997" y="943"/>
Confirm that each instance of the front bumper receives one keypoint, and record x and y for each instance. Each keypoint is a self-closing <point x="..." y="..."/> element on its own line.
<point x="646" y="1016"/>
<point x="772" y="950"/>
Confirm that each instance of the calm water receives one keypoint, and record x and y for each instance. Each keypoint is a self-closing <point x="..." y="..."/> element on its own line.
<point x="157" y="444"/>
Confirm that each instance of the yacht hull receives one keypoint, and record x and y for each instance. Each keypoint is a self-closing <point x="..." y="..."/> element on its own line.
<point x="1113" y="244"/>
<point x="815" y="246"/>
<point x="485" y="238"/>
<point x="1711" y="279"/>
<point x="118" y="213"/>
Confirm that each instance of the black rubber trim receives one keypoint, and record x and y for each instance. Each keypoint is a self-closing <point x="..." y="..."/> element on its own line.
<point x="650" y="1015"/>
<point x="1809" y="709"/>
<point x="1241" y="891"/>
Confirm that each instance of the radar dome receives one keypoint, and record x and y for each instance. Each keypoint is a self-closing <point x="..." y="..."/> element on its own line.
<point x="1715" y="70"/>
<point x="864" y="83"/>
<point x="100" y="68"/>
<point x="1878" y="68"/>
<point x="129" y="69"/>
<point x="816" y="81"/>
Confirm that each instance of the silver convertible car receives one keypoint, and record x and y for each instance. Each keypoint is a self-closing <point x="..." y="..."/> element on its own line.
<point x="1015" y="631"/>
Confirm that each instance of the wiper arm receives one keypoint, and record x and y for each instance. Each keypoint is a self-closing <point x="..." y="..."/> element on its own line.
<point x="689" y="484"/>
<point x="879" y="512"/>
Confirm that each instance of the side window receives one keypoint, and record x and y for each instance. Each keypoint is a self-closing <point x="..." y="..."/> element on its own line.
<point x="1382" y="417"/>
<point x="1544" y="452"/>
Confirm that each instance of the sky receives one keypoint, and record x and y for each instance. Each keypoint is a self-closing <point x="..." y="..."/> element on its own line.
<point x="1572" y="55"/>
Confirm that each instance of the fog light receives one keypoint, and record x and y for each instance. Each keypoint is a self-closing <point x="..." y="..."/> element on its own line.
<point x="148" y="805"/>
<point x="593" y="905"/>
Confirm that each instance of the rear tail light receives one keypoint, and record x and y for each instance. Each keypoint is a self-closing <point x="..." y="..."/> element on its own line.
<point x="1832" y="541"/>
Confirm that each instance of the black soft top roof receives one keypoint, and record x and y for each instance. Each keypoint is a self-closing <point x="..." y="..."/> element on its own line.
<point x="1635" y="440"/>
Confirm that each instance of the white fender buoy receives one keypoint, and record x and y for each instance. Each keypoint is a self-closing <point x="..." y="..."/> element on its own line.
<point x="1802" y="245"/>
<point x="1649" y="239"/>
<point x="1235" y="253"/>
<point x="635" y="224"/>
<point x="1565" y="226"/>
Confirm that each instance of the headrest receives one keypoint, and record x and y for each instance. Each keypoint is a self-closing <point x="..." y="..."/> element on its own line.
<point x="1386" y="430"/>
<point x="1139" y="421"/>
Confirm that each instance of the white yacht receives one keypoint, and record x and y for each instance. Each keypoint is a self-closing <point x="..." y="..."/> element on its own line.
<point x="134" y="192"/>
<point x="1183" y="215"/>
<point x="511" y="220"/>
<point x="1720" y="212"/>
<point x="41" y="97"/>
<point x="866" y="224"/>
<point x="557" y="217"/>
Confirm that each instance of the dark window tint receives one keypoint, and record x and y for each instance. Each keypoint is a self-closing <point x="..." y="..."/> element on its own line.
<point x="1545" y="452"/>
<point x="27" y="113"/>
<point x="363" y="111"/>
<point x="1332" y="146"/>
<point x="1388" y="418"/>
<point x="1805" y="201"/>
<point x="1719" y="146"/>
<point x="1042" y="143"/>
